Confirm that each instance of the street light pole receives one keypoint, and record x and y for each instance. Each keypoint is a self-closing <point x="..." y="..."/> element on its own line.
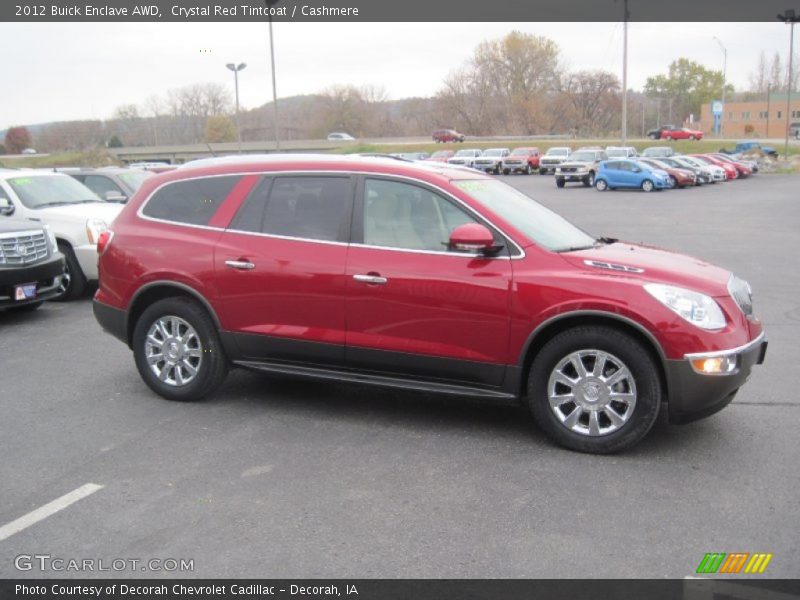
<point x="274" y="87"/>
<point x="625" y="74"/>
<point x="790" y="18"/>
<point x="724" y="80"/>
<point x="236" y="68"/>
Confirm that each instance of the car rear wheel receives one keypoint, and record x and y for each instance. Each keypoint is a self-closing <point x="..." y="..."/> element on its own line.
<point x="647" y="185"/>
<point x="177" y="350"/>
<point x="601" y="185"/>
<point x="542" y="171"/>
<point x="691" y="137"/>
<point x="594" y="389"/>
<point x="560" y="182"/>
<point x="73" y="282"/>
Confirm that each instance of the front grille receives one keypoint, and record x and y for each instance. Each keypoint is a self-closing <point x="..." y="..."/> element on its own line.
<point x="513" y="162"/>
<point x="568" y="169"/>
<point x="22" y="248"/>
<point x="742" y="294"/>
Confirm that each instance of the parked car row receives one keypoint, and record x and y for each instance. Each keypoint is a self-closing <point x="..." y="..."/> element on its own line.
<point x="50" y="223"/>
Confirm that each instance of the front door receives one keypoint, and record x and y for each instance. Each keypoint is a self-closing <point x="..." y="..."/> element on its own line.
<point x="415" y="307"/>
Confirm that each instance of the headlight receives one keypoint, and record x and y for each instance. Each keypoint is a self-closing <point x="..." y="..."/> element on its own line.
<point x="697" y="308"/>
<point x="52" y="237"/>
<point x="94" y="227"/>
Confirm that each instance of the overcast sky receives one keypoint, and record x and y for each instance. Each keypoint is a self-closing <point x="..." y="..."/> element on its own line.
<point x="53" y="71"/>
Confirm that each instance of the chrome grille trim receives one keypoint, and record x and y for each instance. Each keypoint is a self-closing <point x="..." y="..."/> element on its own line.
<point x="23" y="247"/>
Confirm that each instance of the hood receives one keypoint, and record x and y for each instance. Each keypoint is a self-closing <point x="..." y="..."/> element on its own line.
<point x="80" y="212"/>
<point x="14" y="225"/>
<point x="577" y="163"/>
<point x="656" y="265"/>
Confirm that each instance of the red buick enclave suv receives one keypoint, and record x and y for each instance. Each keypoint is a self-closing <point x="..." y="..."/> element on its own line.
<point x="426" y="277"/>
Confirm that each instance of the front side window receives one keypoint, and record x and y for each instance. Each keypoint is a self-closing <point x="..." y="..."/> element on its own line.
<point x="101" y="185"/>
<point x="401" y="215"/>
<point x="308" y="207"/>
<point x="192" y="202"/>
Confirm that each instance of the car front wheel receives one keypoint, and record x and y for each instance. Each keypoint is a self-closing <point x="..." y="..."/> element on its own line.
<point x="594" y="389"/>
<point x="177" y="350"/>
<point x="647" y="186"/>
<point x="601" y="185"/>
<point x="560" y="182"/>
<point x="73" y="282"/>
<point x="588" y="181"/>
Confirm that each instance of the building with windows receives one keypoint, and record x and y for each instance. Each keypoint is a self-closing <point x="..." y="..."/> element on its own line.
<point x="761" y="118"/>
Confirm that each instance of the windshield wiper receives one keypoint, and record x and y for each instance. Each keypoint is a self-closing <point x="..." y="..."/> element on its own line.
<point x="575" y="248"/>
<point x="55" y="203"/>
<point x="607" y="240"/>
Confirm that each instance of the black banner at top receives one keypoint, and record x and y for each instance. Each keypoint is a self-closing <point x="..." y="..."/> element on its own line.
<point x="393" y="10"/>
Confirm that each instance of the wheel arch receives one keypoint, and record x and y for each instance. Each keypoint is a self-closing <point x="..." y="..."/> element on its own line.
<point x="159" y="290"/>
<point x="559" y="323"/>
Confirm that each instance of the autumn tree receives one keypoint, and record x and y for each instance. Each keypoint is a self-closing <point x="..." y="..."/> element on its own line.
<point x="594" y="96"/>
<point x="688" y="85"/>
<point x="17" y="139"/>
<point x="219" y="129"/>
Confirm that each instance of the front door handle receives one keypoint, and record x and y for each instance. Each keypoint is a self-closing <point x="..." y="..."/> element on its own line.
<point x="242" y="265"/>
<point x="372" y="279"/>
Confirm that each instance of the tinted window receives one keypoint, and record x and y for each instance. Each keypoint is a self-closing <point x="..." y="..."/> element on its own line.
<point x="193" y="202"/>
<point x="400" y="215"/>
<point x="316" y="208"/>
<point x="100" y="185"/>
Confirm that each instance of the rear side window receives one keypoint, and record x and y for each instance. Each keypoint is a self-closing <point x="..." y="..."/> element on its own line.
<point x="193" y="202"/>
<point x="308" y="207"/>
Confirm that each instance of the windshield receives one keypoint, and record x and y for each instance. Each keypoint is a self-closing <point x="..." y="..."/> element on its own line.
<point x="50" y="190"/>
<point x="466" y="153"/>
<point x="134" y="179"/>
<point x="558" y="152"/>
<point x="442" y="154"/>
<point x="583" y="156"/>
<point x="616" y="152"/>
<point x="543" y="226"/>
<point x="493" y="153"/>
<point x="520" y="152"/>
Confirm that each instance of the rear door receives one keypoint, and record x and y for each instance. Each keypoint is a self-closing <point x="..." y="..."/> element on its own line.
<point x="280" y="269"/>
<point x="413" y="306"/>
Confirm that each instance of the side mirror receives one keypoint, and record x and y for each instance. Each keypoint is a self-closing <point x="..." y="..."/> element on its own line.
<point x="472" y="237"/>
<point x="112" y="196"/>
<point x="6" y="208"/>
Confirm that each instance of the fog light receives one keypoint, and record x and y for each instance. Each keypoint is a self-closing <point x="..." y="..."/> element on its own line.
<point x="716" y="365"/>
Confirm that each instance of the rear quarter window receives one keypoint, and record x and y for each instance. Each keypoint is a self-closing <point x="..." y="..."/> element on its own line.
<point x="192" y="202"/>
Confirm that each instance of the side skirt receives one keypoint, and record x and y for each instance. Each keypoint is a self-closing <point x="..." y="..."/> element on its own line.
<point x="382" y="380"/>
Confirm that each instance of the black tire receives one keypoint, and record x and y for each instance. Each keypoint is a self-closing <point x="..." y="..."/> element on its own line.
<point x="73" y="283"/>
<point x="653" y="136"/>
<point x="621" y="345"/>
<point x="648" y="186"/>
<point x="542" y="171"/>
<point x="213" y="366"/>
<point x="528" y="169"/>
<point x="601" y="185"/>
<point x="588" y="181"/>
<point x="691" y="137"/>
<point x="560" y="182"/>
<point x="506" y="171"/>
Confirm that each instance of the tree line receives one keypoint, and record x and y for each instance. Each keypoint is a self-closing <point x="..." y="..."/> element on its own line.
<point x="515" y="85"/>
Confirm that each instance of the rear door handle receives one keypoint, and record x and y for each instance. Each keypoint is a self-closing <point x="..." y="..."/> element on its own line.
<point x="242" y="265"/>
<point x="373" y="279"/>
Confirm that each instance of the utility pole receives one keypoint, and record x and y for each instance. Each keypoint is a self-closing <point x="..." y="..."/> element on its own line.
<point x="625" y="73"/>
<point x="790" y="19"/>
<point x="724" y="79"/>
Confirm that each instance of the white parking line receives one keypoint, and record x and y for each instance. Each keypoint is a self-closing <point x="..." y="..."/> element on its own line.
<point x="48" y="509"/>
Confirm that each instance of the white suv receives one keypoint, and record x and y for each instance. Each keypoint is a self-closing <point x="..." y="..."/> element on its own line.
<point x="72" y="211"/>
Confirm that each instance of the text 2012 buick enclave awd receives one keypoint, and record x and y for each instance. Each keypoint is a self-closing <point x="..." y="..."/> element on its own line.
<point x="432" y="278"/>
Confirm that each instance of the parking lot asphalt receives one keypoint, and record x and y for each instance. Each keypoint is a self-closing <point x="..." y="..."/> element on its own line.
<point x="298" y="479"/>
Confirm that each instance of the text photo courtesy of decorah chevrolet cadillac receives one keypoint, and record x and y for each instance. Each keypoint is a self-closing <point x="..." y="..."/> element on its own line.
<point x="424" y="276"/>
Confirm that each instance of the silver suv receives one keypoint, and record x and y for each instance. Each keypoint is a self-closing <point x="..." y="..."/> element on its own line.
<point x="552" y="158"/>
<point x="581" y="166"/>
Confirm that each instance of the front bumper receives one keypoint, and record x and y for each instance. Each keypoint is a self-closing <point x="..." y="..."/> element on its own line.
<point x="693" y="395"/>
<point x="573" y="175"/>
<point x="487" y="166"/>
<point x="46" y="275"/>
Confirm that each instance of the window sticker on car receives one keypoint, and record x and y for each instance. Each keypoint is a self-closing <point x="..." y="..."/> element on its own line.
<point x="472" y="186"/>
<point x="21" y="180"/>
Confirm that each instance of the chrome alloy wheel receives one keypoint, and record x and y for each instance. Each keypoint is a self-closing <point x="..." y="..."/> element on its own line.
<point x="592" y="392"/>
<point x="173" y="351"/>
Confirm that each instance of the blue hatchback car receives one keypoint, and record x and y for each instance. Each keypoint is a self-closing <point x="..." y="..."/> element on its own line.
<point x="613" y="174"/>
